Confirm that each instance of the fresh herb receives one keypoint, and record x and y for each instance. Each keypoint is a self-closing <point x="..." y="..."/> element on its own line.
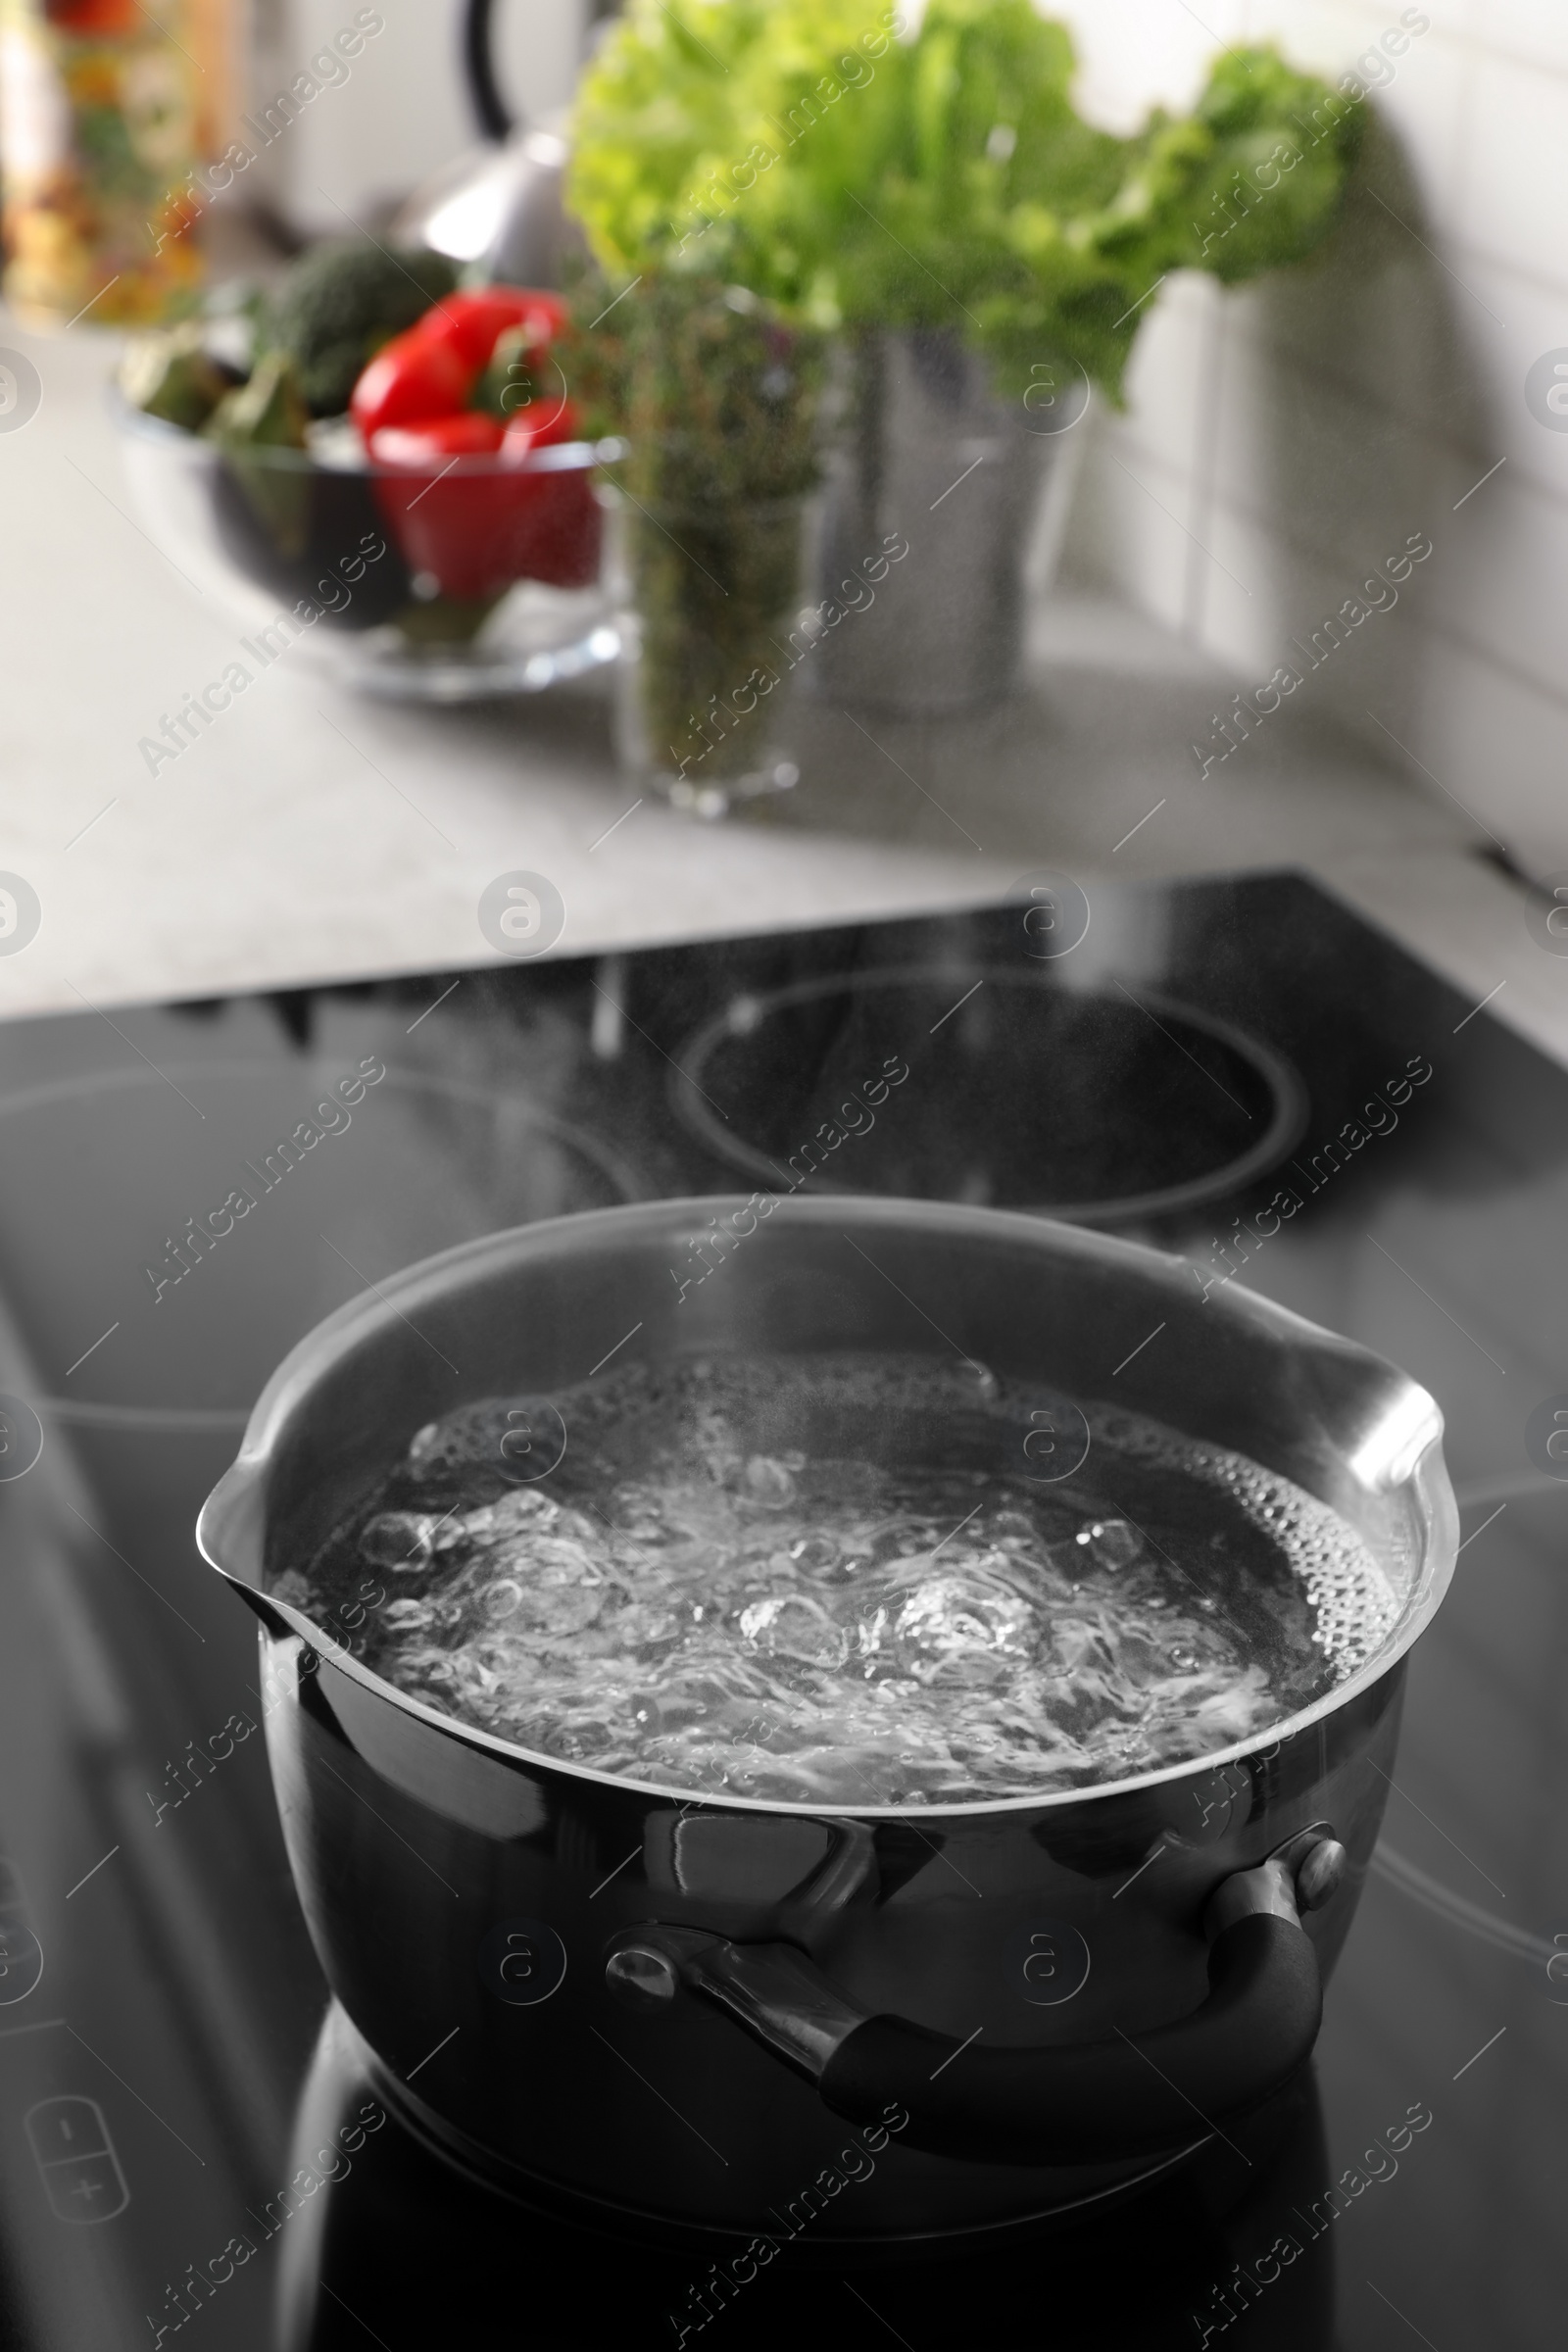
<point x="719" y="404"/>
<point x="716" y="396"/>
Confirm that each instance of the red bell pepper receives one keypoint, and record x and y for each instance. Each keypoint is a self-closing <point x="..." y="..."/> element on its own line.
<point x="475" y="515"/>
<point x="410" y="379"/>
<point x="463" y="495"/>
<point x="469" y="324"/>
<point x="423" y="444"/>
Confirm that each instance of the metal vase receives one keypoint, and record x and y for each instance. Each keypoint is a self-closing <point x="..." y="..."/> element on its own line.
<point x="974" y="488"/>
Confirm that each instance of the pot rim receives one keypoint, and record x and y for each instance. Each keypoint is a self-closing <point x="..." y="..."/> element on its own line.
<point x="230" y="1520"/>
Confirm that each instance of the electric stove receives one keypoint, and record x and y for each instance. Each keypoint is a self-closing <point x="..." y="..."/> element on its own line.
<point x="1241" y="1071"/>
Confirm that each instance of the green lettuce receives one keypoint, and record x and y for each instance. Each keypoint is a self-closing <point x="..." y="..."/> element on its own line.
<point x="853" y="179"/>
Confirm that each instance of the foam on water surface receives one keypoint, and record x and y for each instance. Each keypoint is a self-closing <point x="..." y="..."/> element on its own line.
<point x="836" y="1580"/>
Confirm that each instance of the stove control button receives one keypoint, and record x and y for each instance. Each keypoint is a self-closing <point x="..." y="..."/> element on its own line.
<point x="76" y="2160"/>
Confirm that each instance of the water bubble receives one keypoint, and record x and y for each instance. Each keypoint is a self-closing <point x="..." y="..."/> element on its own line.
<point x="793" y="1627"/>
<point x="524" y="1509"/>
<point x="768" y="1481"/>
<point x="408" y="1616"/>
<point x="952" y="1616"/>
<point x="1110" y="1543"/>
<point x="815" y="1554"/>
<point x="400" y="1541"/>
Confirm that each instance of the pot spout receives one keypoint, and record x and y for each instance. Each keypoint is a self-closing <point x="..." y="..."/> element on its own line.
<point x="229" y="1535"/>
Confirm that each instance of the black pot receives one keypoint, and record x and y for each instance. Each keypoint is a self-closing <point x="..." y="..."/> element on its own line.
<point x="770" y="2020"/>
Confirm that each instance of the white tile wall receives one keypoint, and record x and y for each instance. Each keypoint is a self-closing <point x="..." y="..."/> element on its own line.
<point x="1290" y="429"/>
<point x="1532" y="31"/>
<point x="1133" y="55"/>
<point x="1128" y="523"/>
<point x="1535" y="319"/>
<point x="1169" y="383"/>
<point x="1506" y="593"/>
<point x="1236" y="599"/>
<point x="1499" y="745"/>
<point x="1510" y="167"/>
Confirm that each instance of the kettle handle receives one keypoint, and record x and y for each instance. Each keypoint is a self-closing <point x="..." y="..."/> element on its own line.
<point x="495" y="116"/>
<point x="1068" y="2104"/>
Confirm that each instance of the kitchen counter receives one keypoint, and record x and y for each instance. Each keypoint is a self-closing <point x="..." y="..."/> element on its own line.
<point x="312" y="835"/>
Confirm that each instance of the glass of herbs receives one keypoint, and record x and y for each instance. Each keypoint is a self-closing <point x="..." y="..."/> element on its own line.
<point x="712" y="508"/>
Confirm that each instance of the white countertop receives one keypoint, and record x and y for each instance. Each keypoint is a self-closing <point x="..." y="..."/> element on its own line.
<point x="311" y="834"/>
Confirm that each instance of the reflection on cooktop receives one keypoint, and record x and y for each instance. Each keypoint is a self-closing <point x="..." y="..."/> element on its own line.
<point x="184" y="1193"/>
<point x="224" y="1185"/>
<point x="478" y="2265"/>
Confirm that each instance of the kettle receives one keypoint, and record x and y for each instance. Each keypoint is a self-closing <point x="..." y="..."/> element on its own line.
<point x="498" y="208"/>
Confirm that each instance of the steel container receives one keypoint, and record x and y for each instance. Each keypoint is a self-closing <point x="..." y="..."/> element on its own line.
<point x="716" y="2014"/>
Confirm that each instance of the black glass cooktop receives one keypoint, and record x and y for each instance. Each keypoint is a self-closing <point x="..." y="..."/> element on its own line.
<point x="184" y="1189"/>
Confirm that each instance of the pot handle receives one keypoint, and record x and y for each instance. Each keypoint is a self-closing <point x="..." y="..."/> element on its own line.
<point x="1075" y="2103"/>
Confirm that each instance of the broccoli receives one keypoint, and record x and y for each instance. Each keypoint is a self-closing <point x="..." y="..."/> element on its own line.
<point x="249" y="426"/>
<point x="265" y="413"/>
<point x="170" y="373"/>
<point x="341" y="302"/>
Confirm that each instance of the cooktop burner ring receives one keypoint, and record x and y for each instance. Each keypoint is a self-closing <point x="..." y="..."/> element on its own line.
<point x="695" y="1082"/>
<point x="511" y="1115"/>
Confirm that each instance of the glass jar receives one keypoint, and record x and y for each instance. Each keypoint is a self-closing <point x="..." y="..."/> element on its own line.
<point x="98" y="149"/>
<point x="712" y="620"/>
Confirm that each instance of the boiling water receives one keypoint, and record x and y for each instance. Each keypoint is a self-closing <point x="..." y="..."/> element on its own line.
<point x="841" y="1579"/>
